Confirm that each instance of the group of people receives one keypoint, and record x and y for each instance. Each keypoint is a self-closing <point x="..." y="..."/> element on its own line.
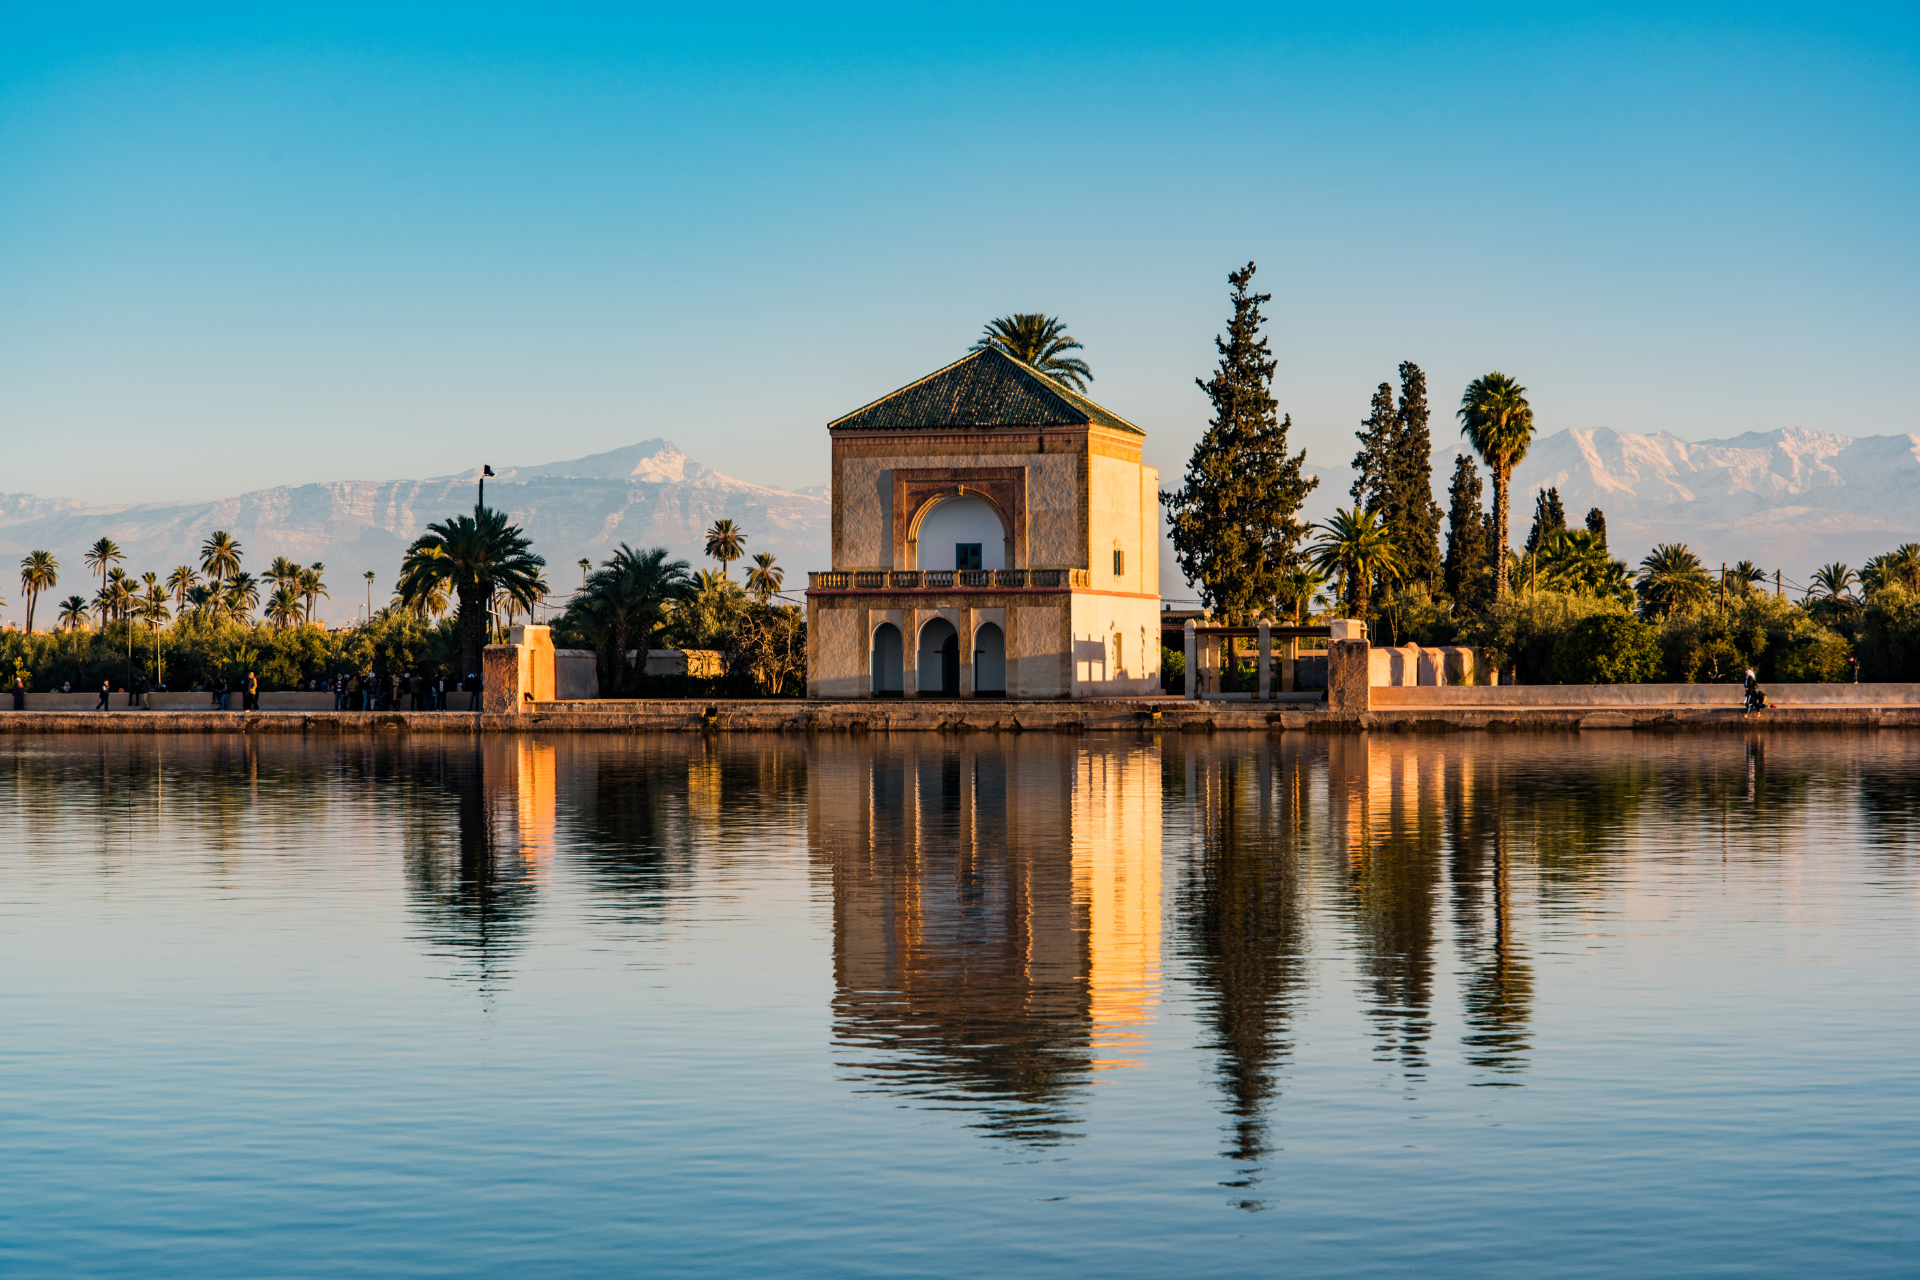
<point x="370" y="691"/>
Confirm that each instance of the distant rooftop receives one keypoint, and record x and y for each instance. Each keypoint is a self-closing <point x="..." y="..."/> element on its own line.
<point x="984" y="389"/>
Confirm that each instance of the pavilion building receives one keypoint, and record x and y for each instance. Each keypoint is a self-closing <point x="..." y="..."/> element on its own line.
<point x="994" y="535"/>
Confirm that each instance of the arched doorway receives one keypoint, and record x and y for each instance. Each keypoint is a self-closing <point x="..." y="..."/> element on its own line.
<point x="939" y="669"/>
<point x="961" y="532"/>
<point x="990" y="661"/>
<point x="889" y="677"/>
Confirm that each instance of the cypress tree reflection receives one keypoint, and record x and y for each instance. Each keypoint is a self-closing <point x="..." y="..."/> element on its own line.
<point x="1241" y="911"/>
<point x="1385" y="806"/>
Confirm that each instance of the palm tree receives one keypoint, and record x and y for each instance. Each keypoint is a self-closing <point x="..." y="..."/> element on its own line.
<point x="240" y="596"/>
<point x="1671" y="577"/>
<point x="1497" y="421"/>
<point x="1576" y="561"/>
<point x="283" y="572"/>
<point x="152" y="603"/>
<point x="765" y="577"/>
<point x="283" y="606"/>
<point x="1040" y="342"/>
<point x="220" y="556"/>
<point x="622" y="604"/>
<point x="102" y="556"/>
<point x="1831" y="581"/>
<point x="479" y="556"/>
<point x="1901" y="567"/>
<point x="39" y="571"/>
<point x="586" y="567"/>
<point x="183" y="579"/>
<point x="1296" y="590"/>
<point x="73" y="612"/>
<point x="1744" y="576"/>
<point x="726" y="543"/>
<point x="311" y="587"/>
<point x="1360" y="548"/>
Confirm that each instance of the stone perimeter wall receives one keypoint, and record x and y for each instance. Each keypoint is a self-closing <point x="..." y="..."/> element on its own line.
<point x="1160" y="715"/>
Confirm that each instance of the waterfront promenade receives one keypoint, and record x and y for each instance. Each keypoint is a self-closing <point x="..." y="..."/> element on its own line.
<point x="1545" y="708"/>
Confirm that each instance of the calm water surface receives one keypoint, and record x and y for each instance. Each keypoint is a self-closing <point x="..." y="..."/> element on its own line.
<point x="1490" y="1006"/>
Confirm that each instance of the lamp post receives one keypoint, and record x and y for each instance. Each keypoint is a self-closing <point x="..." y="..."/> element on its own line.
<point x="485" y="471"/>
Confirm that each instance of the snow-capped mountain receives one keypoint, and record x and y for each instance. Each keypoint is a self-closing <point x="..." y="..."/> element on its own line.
<point x="647" y="495"/>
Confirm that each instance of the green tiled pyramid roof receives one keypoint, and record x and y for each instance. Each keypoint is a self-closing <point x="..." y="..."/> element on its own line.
<point x="985" y="389"/>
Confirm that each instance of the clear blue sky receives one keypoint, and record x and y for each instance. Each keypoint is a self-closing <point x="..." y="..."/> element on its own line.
<point x="240" y="249"/>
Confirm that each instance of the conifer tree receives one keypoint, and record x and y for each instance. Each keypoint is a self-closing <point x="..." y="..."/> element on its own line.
<point x="1466" y="566"/>
<point x="1235" y="519"/>
<point x="1597" y="525"/>
<point x="1549" y="518"/>
<point x="1395" y="475"/>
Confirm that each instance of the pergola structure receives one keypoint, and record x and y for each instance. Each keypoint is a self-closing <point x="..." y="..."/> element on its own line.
<point x="1203" y="653"/>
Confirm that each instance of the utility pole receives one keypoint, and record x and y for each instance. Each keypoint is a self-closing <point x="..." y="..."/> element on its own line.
<point x="1778" y="593"/>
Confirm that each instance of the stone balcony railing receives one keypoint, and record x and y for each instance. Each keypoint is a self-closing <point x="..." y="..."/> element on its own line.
<point x="946" y="579"/>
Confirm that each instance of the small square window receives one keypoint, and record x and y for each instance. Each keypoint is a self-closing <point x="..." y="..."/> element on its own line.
<point x="966" y="555"/>
<point x="1119" y="564"/>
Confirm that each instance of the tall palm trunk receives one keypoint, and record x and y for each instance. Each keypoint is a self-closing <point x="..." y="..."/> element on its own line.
<point x="1499" y="549"/>
<point x="473" y="626"/>
<point x="31" y="596"/>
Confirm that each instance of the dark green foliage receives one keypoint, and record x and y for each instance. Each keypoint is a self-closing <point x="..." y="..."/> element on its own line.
<point x="1608" y="648"/>
<point x="1597" y="524"/>
<point x="1395" y="475"/>
<point x="618" y="609"/>
<point x="196" y="650"/>
<point x="1549" y="518"/>
<point x="1235" y="520"/>
<point x="1890" y="636"/>
<point x="479" y="556"/>
<point x="1469" y="577"/>
<point x="1041" y="342"/>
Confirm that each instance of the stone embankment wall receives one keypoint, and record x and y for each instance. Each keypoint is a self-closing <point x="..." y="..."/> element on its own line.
<point x="1156" y="715"/>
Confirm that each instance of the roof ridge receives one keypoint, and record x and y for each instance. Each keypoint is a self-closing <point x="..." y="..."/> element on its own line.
<point x="1048" y="401"/>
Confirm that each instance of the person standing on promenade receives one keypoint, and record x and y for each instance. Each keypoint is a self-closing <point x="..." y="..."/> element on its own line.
<point x="226" y="694"/>
<point x="473" y="691"/>
<point x="339" y="691"/>
<point x="140" y="690"/>
<point x="250" y="693"/>
<point x="106" y="687"/>
<point x="19" y="694"/>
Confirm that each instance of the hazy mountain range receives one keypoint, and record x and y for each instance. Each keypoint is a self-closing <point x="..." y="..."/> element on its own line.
<point x="648" y="494"/>
<point x="1788" y="499"/>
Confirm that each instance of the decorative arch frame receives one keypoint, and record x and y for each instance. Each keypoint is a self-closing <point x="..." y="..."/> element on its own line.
<point x="917" y="491"/>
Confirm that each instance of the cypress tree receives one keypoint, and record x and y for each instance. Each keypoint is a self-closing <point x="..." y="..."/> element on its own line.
<point x="1597" y="525"/>
<point x="1395" y="474"/>
<point x="1549" y="518"/>
<point x="1466" y="565"/>
<point x="1372" y="464"/>
<point x="1412" y="513"/>
<point x="1235" y="519"/>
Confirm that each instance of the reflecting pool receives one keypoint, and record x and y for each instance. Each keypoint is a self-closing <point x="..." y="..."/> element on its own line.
<point x="1476" y="1005"/>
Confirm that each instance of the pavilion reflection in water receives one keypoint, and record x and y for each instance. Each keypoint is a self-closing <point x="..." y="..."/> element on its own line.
<point x="996" y="914"/>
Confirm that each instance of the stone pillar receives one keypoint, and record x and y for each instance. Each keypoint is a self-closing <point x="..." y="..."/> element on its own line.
<point x="968" y="624"/>
<point x="1348" y="671"/>
<point x="1290" y="667"/>
<point x="1193" y="662"/>
<point x="910" y="653"/>
<point x="1266" y="660"/>
<point x="538" y="642"/>
<point x="506" y="679"/>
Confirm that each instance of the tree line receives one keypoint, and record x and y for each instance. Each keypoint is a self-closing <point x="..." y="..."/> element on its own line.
<point x="1560" y="607"/>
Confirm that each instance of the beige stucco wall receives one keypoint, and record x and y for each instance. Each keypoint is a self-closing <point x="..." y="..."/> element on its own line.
<point x="1097" y="621"/>
<point x="837" y="647"/>
<point x="1124" y="516"/>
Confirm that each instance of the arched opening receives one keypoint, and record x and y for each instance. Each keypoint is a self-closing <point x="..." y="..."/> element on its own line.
<point x="990" y="661"/>
<point x="889" y="676"/>
<point x="939" y="669"/>
<point x="962" y="532"/>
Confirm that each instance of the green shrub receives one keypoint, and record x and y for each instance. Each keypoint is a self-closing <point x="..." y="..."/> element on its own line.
<point x="1819" y="658"/>
<point x="1890" y="636"/>
<point x="1608" y="648"/>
